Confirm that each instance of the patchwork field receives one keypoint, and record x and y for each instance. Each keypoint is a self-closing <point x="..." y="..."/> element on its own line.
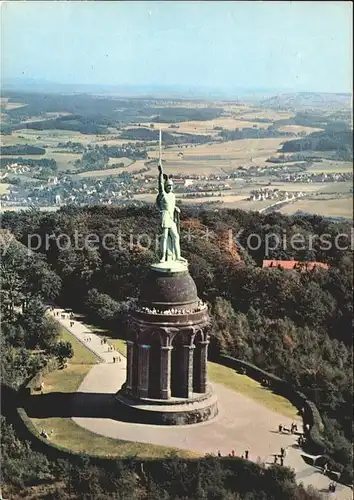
<point x="244" y="152"/>
<point x="268" y="114"/>
<point x="47" y="137"/>
<point x="300" y="186"/>
<point x="208" y="127"/>
<point x="126" y="161"/>
<point x="341" y="207"/>
<point x="216" y="158"/>
<point x="337" y="187"/>
<point x="331" y="166"/>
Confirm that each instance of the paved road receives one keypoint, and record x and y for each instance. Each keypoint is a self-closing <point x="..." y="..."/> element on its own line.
<point x="242" y="424"/>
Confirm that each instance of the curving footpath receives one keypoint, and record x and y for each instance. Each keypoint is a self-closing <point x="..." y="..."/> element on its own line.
<point x="242" y="424"/>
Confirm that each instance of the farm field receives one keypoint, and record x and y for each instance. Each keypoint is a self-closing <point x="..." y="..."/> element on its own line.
<point x="126" y="161"/>
<point x="65" y="161"/>
<point x="268" y="114"/>
<point x="337" y="187"/>
<point x="133" y="167"/>
<point x="300" y="186"/>
<point x="47" y="137"/>
<point x="206" y="167"/>
<point x="244" y="152"/>
<point x="207" y="127"/>
<point x="244" y="204"/>
<point x="331" y="166"/>
<point x="297" y="129"/>
<point x="341" y="207"/>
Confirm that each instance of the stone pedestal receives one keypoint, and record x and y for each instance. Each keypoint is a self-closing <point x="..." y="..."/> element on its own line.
<point x="167" y="352"/>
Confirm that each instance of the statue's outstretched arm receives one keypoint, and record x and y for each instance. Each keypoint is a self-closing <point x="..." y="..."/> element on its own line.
<point x="161" y="179"/>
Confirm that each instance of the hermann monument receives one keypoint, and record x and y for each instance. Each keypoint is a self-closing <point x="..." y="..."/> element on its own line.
<point x="167" y="349"/>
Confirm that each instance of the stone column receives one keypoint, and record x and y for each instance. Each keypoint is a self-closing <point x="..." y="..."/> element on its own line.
<point x="143" y="371"/>
<point x="203" y="374"/>
<point x="165" y="372"/>
<point x="130" y="361"/>
<point x="187" y="371"/>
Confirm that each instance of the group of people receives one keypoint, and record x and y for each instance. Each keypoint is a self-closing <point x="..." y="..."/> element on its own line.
<point x="201" y="306"/>
<point x="281" y="456"/>
<point x="301" y="441"/>
<point x="292" y="430"/>
<point x="87" y="338"/>
<point x="64" y="316"/>
<point x="116" y="359"/>
<point x="332" y="486"/>
<point x="233" y="454"/>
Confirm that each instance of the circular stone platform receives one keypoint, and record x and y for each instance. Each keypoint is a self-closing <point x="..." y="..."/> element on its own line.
<point x="174" y="411"/>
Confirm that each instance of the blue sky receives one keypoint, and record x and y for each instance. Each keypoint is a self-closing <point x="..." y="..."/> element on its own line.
<point x="302" y="46"/>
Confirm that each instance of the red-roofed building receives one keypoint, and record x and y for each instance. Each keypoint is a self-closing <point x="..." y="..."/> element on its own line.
<point x="294" y="264"/>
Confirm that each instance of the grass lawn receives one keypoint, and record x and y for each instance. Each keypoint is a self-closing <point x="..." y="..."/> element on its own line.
<point x="69" y="435"/>
<point x="69" y="379"/>
<point x="66" y="380"/>
<point x="252" y="389"/>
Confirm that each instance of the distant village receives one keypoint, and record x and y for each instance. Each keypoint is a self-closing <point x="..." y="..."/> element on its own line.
<point x="64" y="189"/>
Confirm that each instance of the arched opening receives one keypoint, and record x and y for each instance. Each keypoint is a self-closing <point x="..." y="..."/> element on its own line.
<point x="177" y="366"/>
<point x="135" y="374"/>
<point x="197" y="362"/>
<point x="155" y="366"/>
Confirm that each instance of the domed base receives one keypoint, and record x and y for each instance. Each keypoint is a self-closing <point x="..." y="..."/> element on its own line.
<point x="168" y="285"/>
<point x="175" y="411"/>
